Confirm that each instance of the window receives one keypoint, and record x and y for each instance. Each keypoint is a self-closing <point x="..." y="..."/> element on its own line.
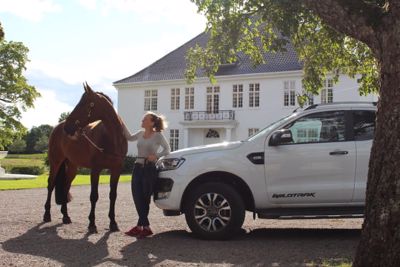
<point x="254" y="95"/>
<point x="175" y="98"/>
<point x="189" y="98"/>
<point x="174" y="139"/>
<point x="289" y="93"/>
<point x="319" y="127"/>
<point x="237" y="94"/>
<point x="364" y="125"/>
<point x="253" y="131"/>
<point x="150" y="100"/>
<point x="212" y="133"/>
<point x="213" y="99"/>
<point x="327" y="92"/>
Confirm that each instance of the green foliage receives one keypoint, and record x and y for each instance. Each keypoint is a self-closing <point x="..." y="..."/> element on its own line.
<point x="63" y="116"/>
<point x="37" y="139"/>
<point x="18" y="146"/>
<point x="15" y="94"/>
<point x="129" y="161"/>
<point x="23" y="160"/>
<point x="256" y="27"/>
<point x="34" y="170"/>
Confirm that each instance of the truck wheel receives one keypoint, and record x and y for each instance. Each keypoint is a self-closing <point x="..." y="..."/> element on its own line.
<point x="214" y="211"/>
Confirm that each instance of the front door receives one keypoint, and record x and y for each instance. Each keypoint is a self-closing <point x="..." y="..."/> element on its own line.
<point x="317" y="167"/>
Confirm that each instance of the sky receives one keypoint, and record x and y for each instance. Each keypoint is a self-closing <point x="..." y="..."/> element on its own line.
<point x="97" y="41"/>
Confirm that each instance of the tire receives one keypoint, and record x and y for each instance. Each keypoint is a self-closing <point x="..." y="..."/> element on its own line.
<point x="214" y="211"/>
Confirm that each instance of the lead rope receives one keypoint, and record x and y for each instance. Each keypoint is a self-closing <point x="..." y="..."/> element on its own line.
<point x="91" y="142"/>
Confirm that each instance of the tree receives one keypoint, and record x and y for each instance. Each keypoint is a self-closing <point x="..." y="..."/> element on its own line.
<point x="331" y="37"/>
<point x="15" y="94"/>
<point x="37" y="138"/>
<point x="63" y="116"/>
<point x="18" y="146"/>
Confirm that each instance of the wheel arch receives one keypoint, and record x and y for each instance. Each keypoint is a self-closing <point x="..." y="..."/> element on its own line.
<point x="226" y="178"/>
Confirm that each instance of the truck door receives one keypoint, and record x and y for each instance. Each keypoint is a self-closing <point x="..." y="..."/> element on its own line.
<point x="317" y="167"/>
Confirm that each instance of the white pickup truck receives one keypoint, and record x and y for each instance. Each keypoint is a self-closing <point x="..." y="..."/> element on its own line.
<point x="312" y="163"/>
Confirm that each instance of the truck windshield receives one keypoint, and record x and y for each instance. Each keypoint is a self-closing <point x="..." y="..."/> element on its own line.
<point x="272" y="126"/>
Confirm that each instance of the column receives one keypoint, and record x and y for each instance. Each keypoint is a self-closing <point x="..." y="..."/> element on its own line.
<point x="185" y="137"/>
<point x="228" y="134"/>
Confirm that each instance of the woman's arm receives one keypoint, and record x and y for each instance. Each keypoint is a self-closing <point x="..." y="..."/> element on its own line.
<point x="166" y="149"/>
<point x="128" y="135"/>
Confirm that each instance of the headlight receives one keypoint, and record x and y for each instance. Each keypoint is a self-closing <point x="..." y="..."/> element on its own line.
<point x="169" y="164"/>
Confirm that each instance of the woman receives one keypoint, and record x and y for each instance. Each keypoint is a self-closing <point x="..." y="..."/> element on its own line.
<point x="144" y="173"/>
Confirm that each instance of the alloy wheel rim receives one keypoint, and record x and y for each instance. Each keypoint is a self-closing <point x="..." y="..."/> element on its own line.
<point x="212" y="212"/>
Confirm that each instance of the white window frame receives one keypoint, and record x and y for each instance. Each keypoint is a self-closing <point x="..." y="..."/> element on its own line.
<point x="174" y="139"/>
<point x="289" y="93"/>
<point x="253" y="131"/>
<point x="150" y="99"/>
<point x="213" y="99"/>
<point x="237" y="96"/>
<point x="175" y="98"/>
<point x="189" y="98"/>
<point x="254" y="95"/>
<point x="327" y="92"/>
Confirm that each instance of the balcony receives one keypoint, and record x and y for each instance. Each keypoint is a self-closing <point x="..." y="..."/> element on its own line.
<point x="221" y="115"/>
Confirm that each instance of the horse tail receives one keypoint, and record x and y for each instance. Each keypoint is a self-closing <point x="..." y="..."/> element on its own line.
<point x="61" y="184"/>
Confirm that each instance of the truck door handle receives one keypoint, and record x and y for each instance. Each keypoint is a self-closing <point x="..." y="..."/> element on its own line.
<point x="339" y="152"/>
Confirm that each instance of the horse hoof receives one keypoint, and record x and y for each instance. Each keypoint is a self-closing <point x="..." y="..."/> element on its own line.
<point x="92" y="229"/>
<point x="46" y="218"/>
<point x="114" y="228"/>
<point x="67" y="220"/>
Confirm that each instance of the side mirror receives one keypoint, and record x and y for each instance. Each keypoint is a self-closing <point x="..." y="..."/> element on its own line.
<point x="280" y="137"/>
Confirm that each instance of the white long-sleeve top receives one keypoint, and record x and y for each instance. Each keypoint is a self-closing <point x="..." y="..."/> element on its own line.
<point x="148" y="146"/>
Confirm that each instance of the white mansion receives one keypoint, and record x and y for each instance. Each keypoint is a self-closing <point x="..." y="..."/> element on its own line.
<point x="244" y="100"/>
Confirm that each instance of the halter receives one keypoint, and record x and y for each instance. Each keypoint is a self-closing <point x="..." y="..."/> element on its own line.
<point x="83" y="132"/>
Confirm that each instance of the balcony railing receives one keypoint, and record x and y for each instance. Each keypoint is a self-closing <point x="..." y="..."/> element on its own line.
<point x="205" y="115"/>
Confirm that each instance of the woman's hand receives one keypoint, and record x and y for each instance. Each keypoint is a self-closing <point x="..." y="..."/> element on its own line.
<point x="152" y="158"/>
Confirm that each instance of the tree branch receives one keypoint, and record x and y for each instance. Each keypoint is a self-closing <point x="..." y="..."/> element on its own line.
<point x="5" y="100"/>
<point x="353" y="18"/>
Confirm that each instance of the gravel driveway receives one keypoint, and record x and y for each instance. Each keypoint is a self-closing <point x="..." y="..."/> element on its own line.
<point x="26" y="241"/>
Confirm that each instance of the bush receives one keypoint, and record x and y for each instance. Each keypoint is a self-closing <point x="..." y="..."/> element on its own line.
<point x="33" y="170"/>
<point x="129" y="161"/>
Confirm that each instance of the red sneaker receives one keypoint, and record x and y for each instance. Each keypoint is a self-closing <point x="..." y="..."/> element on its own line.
<point x="146" y="232"/>
<point x="134" y="231"/>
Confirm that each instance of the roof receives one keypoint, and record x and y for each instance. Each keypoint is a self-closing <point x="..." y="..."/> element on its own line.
<point x="172" y="66"/>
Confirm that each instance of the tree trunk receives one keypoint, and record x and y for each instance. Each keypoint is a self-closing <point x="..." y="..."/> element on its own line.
<point x="380" y="238"/>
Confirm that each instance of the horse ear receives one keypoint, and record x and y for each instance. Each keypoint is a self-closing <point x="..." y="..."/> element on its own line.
<point x="87" y="87"/>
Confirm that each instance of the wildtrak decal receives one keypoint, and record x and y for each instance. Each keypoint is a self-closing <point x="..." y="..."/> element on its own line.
<point x="288" y="195"/>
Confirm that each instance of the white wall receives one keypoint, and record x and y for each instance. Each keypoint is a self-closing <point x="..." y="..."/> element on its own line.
<point x="131" y="103"/>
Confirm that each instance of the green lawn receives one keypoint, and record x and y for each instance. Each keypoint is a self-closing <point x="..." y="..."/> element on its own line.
<point x="41" y="181"/>
<point x="14" y="160"/>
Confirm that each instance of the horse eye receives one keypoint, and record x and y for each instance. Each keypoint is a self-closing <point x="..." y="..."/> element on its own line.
<point x="77" y="122"/>
<point x="91" y="104"/>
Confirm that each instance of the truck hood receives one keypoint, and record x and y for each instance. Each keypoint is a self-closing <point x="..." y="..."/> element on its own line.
<point x="206" y="148"/>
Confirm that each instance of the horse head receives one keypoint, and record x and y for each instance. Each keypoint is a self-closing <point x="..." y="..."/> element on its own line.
<point x="90" y="108"/>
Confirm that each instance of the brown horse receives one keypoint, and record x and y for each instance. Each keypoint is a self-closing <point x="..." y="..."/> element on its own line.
<point x="90" y="137"/>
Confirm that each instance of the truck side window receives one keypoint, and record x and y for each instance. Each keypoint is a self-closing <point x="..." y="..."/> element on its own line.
<point x="319" y="127"/>
<point x="364" y="124"/>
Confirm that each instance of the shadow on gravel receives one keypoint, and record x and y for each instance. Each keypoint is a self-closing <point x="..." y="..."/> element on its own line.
<point x="259" y="247"/>
<point x="45" y="242"/>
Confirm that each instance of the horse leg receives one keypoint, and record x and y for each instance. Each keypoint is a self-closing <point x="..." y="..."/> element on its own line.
<point x="70" y="173"/>
<point x="94" y="196"/>
<point x="114" y="178"/>
<point x="50" y="188"/>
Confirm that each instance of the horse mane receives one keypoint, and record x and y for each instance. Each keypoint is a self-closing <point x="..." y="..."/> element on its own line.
<point x="107" y="97"/>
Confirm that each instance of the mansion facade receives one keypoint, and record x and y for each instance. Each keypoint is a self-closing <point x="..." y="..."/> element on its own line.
<point x="244" y="100"/>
